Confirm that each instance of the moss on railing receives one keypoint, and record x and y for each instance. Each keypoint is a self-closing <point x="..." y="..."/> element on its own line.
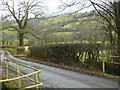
<point x="21" y="75"/>
<point x="11" y="84"/>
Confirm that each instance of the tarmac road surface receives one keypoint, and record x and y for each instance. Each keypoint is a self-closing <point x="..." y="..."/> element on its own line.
<point x="60" y="78"/>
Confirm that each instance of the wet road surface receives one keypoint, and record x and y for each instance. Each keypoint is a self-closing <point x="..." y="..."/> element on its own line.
<point x="59" y="78"/>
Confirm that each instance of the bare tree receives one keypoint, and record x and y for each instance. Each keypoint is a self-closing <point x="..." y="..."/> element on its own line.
<point x="22" y="11"/>
<point x="109" y="13"/>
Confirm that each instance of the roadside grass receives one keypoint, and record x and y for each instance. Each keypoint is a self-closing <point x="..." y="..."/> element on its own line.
<point x="62" y="65"/>
<point x="11" y="84"/>
<point x="14" y="52"/>
<point x="69" y="67"/>
<point x="75" y="68"/>
<point x="26" y="41"/>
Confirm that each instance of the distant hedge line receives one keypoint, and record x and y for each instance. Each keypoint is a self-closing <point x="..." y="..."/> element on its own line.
<point x="83" y="55"/>
<point x="19" y="49"/>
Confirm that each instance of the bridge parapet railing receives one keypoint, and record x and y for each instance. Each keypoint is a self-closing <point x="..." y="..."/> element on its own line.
<point x="20" y="75"/>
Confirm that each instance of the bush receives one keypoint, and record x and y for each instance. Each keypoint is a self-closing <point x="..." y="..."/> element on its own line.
<point x="20" y="50"/>
<point x="11" y="84"/>
<point x="86" y="55"/>
<point x="113" y="69"/>
<point x="14" y="49"/>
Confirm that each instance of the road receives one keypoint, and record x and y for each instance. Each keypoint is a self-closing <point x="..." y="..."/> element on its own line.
<point x="60" y="78"/>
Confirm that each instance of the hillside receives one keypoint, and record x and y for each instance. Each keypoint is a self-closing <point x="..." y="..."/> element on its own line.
<point x="66" y="28"/>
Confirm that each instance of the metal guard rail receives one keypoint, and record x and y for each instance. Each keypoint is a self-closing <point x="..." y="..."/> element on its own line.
<point x="21" y="75"/>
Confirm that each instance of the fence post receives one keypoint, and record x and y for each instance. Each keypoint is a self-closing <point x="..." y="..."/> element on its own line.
<point x="37" y="79"/>
<point x="103" y="64"/>
<point x="7" y="70"/>
<point x="18" y="74"/>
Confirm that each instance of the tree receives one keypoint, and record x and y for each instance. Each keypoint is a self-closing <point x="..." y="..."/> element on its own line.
<point x="22" y="11"/>
<point x="108" y="11"/>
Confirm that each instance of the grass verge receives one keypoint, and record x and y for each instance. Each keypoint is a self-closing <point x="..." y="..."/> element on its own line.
<point x="75" y="68"/>
<point x="11" y="84"/>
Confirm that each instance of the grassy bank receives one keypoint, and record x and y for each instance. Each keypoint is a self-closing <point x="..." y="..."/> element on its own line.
<point x="11" y="84"/>
<point x="75" y="68"/>
<point x="79" y="67"/>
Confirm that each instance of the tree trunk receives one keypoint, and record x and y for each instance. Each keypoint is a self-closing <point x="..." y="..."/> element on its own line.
<point x="118" y="37"/>
<point x="118" y="26"/>
<point x="21" y="39"/>
<point x="3" y="42"/>
<point x="119" y="45"/>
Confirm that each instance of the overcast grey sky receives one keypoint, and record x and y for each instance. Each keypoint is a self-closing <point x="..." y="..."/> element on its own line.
<point x="53" y="6"/>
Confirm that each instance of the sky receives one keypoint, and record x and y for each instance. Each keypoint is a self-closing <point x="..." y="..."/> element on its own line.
<point x="54" y="4"/>
<point x="53" y="7"/>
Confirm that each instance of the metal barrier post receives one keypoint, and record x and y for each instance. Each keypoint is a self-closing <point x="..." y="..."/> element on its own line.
<point x="103" y="66"/>
<point x="37" y="79"/>
<point x="7" y="70"/>
<point x="18" y="74"/>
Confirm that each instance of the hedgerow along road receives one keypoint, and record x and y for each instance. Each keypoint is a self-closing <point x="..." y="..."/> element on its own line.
<point x="54" y="77"/>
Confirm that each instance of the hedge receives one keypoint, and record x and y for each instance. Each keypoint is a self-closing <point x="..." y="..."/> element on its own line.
<point x="83" y="55"/>
<point x="13" y="49"/>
